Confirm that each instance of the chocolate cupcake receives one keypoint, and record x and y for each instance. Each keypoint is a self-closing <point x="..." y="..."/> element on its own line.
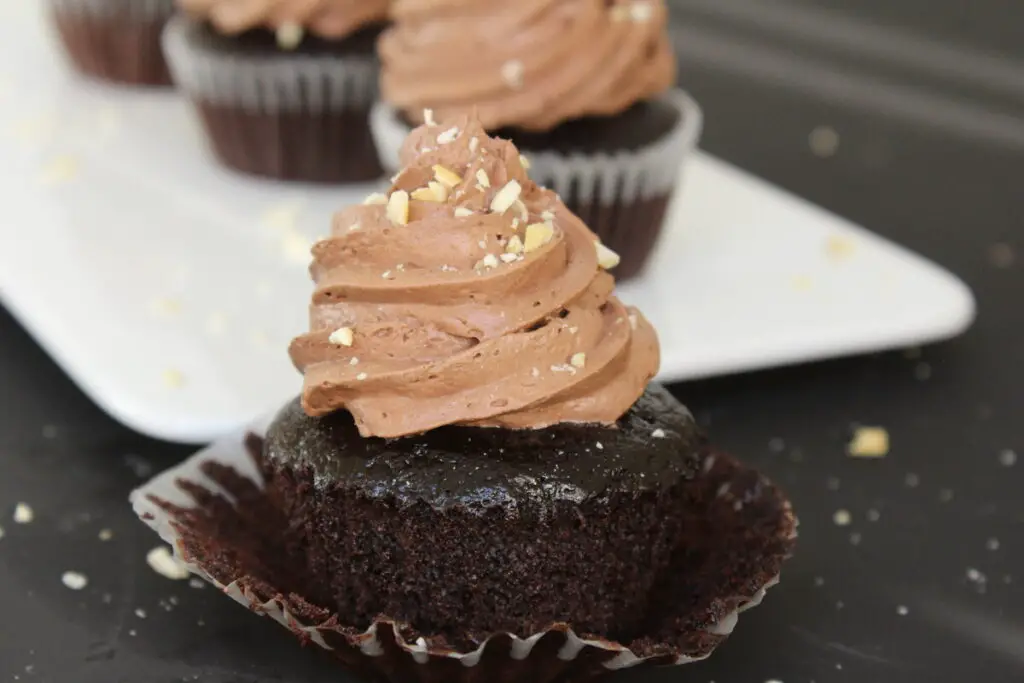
<point x="283" y="87"/>
<point x="115" y="40"/>
<point x="584" y="89"/>
<point x="479" y="482"/>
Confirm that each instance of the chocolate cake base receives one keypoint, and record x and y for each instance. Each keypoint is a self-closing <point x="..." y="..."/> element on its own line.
<point x="299" y="114"/>
<point x="638" y="534"/>
<point x="118" y="47"/>
<point x="330" y="147"/>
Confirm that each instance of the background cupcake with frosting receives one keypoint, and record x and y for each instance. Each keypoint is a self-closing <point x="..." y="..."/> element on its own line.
<point x="585" y="88"/>
<point x="114" y="40"/>
<point x="283" y="87"/>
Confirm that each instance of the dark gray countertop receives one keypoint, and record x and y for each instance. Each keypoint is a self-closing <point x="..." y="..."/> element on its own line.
<point x="942" y="499"/>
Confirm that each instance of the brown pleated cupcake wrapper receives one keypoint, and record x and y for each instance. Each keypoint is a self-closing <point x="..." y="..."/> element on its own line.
<point x="622" y="196"/>
<point x="217" y="477"/>
<point x="279" y="115"/>
<point x="115" y="40"/>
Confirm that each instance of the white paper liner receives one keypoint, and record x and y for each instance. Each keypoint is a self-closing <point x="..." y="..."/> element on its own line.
<point x="269" y="84"/>
<point x="231" y="452"/>
<point x="620" y="177"/>
<point x="145" y="10"/>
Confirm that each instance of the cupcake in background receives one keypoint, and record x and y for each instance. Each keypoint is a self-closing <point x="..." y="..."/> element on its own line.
<point x="585" y="88"/>
<point x="115" y="40"/>
<point x="283" y="87"/>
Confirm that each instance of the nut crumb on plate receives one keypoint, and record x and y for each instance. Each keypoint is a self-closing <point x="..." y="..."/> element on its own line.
<point x="869" y="442"/>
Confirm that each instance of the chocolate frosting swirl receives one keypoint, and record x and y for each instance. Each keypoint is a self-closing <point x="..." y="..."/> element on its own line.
<point x="531" y="64"/>
<point x="480" y="301"/>
<point x="325" y="18"/>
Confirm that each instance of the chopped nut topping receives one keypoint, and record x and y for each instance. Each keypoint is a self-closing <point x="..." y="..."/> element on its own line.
<point x="433" y="192"/>
<point x="512" y="73"/>
<point x="509" y="258"/>
<point x="524" y="162"/>
<point x="869" y="442"/>
<point x="398" y="207"/>
<point x="343" y="336"/>
<point x="474" y="144"/>
<point x="376" y="198"/>
<point x="537" y="235"/>
<point x="482" y="179"/>
<point x="353" y="361"/>
<point x="428" y="117"/>
<point x="462" y="212"/>
<point x="489" y="261"/>
<point x="514" y="246"/>
<point x="361" y="376"/>
<point x="535" y="372"/>
<point x="448" y="136"/>
<point x="606" y="258"/>
<point x="578" y="360"/>
<point x="387" y="275"/>
<point x="641" y="12"/>
<point x="355" y="226"/>
<point x="289" y="35"/>
<point x="521" y="209"/>
<point x="506" y="197"/>
<point x="423" y="194"/>
<point x="446" y="176"/>
<point x="547" y="216"/>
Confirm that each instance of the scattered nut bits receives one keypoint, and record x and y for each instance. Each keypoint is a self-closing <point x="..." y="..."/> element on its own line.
<point x="869" y="442"/>
<point x="398" y="207"/>
<point x="606" y="258"/>
<point x="537" y="235"/>
<point x="446" y="176"/>
<point x="343" y="336"/>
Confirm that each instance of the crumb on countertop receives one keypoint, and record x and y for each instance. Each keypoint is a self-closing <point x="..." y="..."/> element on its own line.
<point x="164" y="563"/>
<point x="869" y="442"/>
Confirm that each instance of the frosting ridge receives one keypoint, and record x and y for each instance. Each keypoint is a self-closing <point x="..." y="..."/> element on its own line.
<point x="325" y="18"/>
<point x="531" y="64"/>
<point x="468" y="295"/>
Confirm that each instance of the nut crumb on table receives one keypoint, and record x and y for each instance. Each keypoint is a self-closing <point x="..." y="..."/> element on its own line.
<point x="869" y="442"/>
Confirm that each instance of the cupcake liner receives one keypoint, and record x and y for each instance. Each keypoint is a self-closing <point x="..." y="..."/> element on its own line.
<point x="280" y="115"/>
<point x="219" y="481"/>
<point x="270" y="83"/>
<point x="622" y="196"/>
<point x="115" y="40"/>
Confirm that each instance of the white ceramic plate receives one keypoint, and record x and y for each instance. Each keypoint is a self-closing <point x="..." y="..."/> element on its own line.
<point x="169" y="288"/>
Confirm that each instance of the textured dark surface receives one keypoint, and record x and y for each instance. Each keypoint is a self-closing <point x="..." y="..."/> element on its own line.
<point x="119" y="48"/>
<point x="942" y="497"/>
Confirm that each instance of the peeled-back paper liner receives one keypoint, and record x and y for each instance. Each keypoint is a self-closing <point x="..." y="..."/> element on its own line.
<point x="383" y="638"/>
<point x="273" y="83"/>
<point x="616" y="178"/>
<point x="144" y="10"/>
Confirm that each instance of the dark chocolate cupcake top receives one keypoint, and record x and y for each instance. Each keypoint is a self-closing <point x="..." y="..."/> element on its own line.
<point x="654" y="446"/>
<point x="468" y="295"/>
<point x="528" y="64"/>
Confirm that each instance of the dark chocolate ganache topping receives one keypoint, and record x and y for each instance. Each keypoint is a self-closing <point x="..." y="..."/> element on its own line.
<point x="653" y="446"/>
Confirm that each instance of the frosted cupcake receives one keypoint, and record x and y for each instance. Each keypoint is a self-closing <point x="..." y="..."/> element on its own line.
<point x="114" y="40"/>
<point x="583" y="87"/>
<point x="283" y="87"/>
<point x="479" y="482"/>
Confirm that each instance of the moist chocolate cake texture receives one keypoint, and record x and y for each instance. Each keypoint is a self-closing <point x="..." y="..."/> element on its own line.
<point x="638" y="533"/>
